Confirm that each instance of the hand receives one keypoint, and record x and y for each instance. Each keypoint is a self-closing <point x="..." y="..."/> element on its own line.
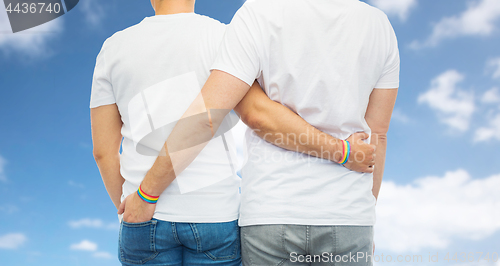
<point x="362" y="157"/>
<point x="135" y="210"/>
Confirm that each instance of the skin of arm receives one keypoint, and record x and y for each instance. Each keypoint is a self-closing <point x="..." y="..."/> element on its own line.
<point x="282" y="127"/>
<point x="378" y="116"/>
<point x="106" y="138"/>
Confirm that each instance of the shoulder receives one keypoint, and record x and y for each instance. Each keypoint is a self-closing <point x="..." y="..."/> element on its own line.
<point x="258" y="4"/>
<point x="121" y="36"/>
<point x="211" y="25"/>
<point x="210" y="21"/>
<point x="371" y="11"/>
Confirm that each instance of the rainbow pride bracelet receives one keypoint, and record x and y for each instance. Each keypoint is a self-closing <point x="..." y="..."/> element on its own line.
<point x="346" y="151"/>
<point x="147" y="198"/>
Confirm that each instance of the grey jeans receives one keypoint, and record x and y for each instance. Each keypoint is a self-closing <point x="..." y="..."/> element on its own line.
<point x="276" y="245"/>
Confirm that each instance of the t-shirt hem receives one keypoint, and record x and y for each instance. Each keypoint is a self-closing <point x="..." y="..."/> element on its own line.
<point x="393" y="85"/>
<point x="316" y="222"/>
<point x="248" y="80"/>
<point x="195" y="219"/>
<point x="102" y="102"/>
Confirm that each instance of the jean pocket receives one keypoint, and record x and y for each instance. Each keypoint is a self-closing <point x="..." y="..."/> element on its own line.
<point x="219" y="241"/>
<point x="137" y="242"/>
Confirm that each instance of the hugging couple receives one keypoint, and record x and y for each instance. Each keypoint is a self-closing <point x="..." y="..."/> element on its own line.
<point x="314" y="80"/>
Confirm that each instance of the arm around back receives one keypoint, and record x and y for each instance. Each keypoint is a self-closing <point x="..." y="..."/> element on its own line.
<point x="378" y="116"/>
<point x="280" y="126"/>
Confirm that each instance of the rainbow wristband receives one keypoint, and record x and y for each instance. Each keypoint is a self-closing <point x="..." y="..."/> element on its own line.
<point x="147" y="198"/>
<point x="346" y="147"/>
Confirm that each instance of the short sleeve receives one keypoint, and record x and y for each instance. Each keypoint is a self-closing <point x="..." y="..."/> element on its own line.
<point x="238" y="54"/>
<point x="102" y="90"/>
<point x="390" y="75"/>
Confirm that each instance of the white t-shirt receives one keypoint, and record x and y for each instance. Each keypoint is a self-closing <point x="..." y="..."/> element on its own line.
<point x="153" y="71"/>
<point x="321" y="59"/>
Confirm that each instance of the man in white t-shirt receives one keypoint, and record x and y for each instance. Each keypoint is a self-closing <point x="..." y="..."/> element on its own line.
<point x="336" y="64"/>
<point x="145" y="78"/>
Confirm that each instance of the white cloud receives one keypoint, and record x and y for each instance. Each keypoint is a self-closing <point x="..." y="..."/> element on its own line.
<point x="491" y="96"/>
<point x="31" y="42"/>
<point x="93" y="11"/>
<point x="85" y="245"/>
<point x="398" y="115"/>
<point x="490" y="132"/>
<point x="454" y="106"/>
<point x="103" y="255"/>
<point x="12" y="241"/>
<point x="3" y="162"/>
<point x="494" y="65"/>
<point x="400" y="8"/>
<point x="432" y="212"/>
<point x="478" y="20"/>
<point x="93" y="223"/>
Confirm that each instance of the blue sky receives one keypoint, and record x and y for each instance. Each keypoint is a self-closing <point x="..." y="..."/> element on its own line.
<point x="440" y="191"/>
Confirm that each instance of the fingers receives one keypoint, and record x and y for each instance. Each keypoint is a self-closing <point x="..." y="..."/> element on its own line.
<point x="121" y="209"/>
<point x="371" y="160"/>
<point x="369" y="170"/>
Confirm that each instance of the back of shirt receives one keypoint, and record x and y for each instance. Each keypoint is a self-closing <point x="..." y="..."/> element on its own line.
<point x="153" y="71"/>
<point x="321" y="59"/>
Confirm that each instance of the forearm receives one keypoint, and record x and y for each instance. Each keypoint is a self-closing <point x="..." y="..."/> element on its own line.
<point x="287" y="130"/>
<point x="159" y="177"/>
<point x="280" y="126"/>
<point x="109" y="167"/>
<point x="168" y="166"/>
<point x="380" y="141"/>
<point x="197" y="126"/>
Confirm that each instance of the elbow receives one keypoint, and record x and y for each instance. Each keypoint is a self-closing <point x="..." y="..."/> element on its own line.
<point x="252" y="120"/>
<point x="257" y="122"/>
<point x="258" y="116"/>
<point x="100" y="156"/>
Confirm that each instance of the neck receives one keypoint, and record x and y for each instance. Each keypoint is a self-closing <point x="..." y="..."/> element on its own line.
<point x="169" y="7"/>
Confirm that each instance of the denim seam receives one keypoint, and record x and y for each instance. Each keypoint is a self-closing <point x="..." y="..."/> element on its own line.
<point x="283" y="238"/>
<point x="283" y="245"/>
<point x="174" y="232"/>
<point x="282" y="262"/>
<point x="199" y="248"/>
<point x="120" y="241"/>
<point x="335" y="241"/>
<point x="152" y="240"/>
<point x="308" y="243"/>
<point x="228" y="257"/>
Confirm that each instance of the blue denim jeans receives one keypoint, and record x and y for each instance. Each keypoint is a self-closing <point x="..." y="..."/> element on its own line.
<point x="164" y="243"/>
